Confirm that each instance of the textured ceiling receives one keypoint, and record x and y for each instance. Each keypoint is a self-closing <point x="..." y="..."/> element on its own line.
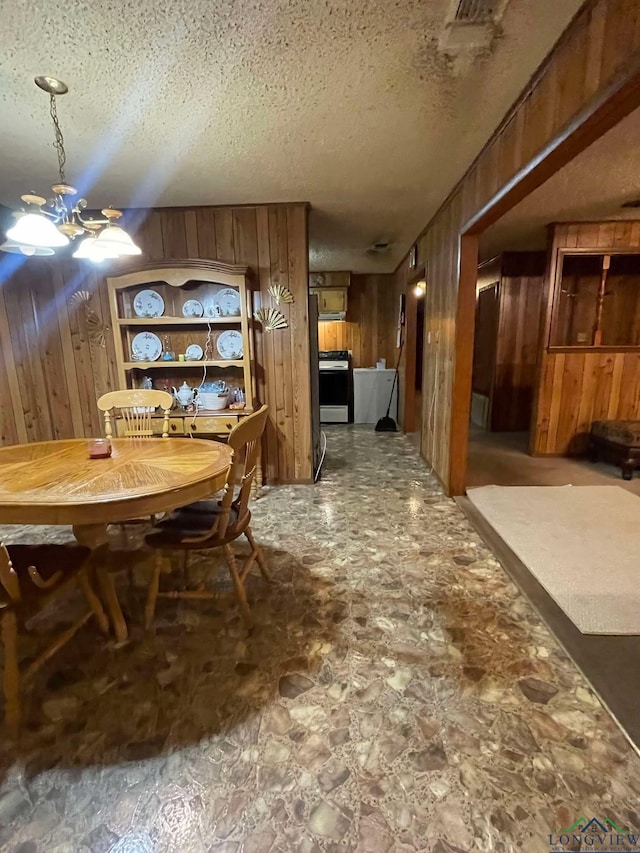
<point x="346" y="104"/>
<point x="591" y="187"/>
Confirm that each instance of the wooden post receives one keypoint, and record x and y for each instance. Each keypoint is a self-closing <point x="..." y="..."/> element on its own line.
<point x="602" y="292"/>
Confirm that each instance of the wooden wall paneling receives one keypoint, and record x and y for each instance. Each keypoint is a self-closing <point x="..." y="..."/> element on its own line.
<point x="616" y="391"/>
<point x="298" y="255"/>
<point x="224" y="235"/>
<point x="206" y="230"/>
<point x="12" y="427"/>
<point x="570" y="389"/>
<point x="69" y="364"/>
<point x="19" y="305"/>
<point x="191" y="234"/>
<point x="174" y="234"/>
<point x="282" y="256"/>
<point x="267" y="389"/>
<point x="586" y="401"/>
<point x="280" y="397"/>
<point x="147" y="226"/>
<point x="629" y="403"/>
<point x="47" y="347"/>
<point x="87" y="381"/>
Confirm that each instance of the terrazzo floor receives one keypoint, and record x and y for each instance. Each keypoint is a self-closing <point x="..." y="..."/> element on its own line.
<point x="397" y="694"/>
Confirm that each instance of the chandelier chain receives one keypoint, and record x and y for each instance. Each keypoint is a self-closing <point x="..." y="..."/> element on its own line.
<point x="59" y="143"/>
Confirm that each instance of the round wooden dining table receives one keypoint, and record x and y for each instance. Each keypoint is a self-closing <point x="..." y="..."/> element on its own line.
<point x="56" y="482"/>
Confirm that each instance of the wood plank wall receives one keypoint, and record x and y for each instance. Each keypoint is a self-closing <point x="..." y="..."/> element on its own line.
<point x="577" y="388"/>
<point x="51" y="375"/>
<point x="519" y="315"/>
<point x="601" y="46"/>
<point x="369" y="331"/>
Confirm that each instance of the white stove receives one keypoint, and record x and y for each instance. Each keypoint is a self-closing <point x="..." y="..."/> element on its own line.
<point x="335" y="386"/>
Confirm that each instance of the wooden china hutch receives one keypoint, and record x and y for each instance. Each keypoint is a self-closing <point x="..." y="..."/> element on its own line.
<point x="187" y="321"/>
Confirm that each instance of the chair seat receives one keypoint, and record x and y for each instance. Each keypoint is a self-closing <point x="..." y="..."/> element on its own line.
<point x="48" y="559"/>
<point x="194" y="520"/>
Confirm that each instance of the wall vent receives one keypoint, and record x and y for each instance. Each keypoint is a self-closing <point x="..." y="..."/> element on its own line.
<point x="471" y="27"/>
<point x="476" y="11"/>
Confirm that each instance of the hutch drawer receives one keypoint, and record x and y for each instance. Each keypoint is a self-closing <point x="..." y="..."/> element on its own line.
<point x="212" y="424"/>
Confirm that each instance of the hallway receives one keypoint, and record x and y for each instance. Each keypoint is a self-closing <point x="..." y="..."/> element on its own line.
<point x="398" y="694"/>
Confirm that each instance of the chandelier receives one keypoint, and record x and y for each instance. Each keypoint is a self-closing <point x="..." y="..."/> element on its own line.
<point x="45" y="225"/>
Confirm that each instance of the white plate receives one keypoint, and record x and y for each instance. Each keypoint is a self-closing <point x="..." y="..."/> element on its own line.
<point x="192" y="308"/>
<point x="146" y="347"/>
<point x="228" y="301"/>
<point x="229" y="344"/>
<point x="148" y="303"/>
<point x="193" y="352"/>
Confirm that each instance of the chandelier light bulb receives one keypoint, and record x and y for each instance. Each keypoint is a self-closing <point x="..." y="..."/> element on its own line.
<point x="90" y="250"/>
<point x="35" y="229"/>
<point x="116" y="239"/>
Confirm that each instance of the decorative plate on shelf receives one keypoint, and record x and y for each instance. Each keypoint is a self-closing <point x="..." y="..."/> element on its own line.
<point x="146" y="347"/>
<point x="228" y="301"/>
<point x="193" y="352"/>
<point x="229" y="344"/>
<point x="148" y="303"/>
<point x="192" y="308"/>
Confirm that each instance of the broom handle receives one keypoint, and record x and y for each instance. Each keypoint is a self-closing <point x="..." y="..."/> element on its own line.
<point x="395" y="377"/>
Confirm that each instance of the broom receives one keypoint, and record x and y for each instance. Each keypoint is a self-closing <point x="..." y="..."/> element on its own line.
<point x="387" y="424"/>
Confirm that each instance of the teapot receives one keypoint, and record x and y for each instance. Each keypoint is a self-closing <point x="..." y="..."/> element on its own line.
<point x="184" y="395"/>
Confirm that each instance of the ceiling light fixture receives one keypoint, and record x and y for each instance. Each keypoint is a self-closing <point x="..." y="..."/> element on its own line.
<point x="46" y="225"/>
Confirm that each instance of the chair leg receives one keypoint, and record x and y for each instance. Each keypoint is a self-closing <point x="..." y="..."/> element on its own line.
<point x="239" y="586"/>
<point x="262" y="563"/>
<point x="152" y="594"/>
<point x="93" y="601"/>
<point x="11" y="673"/>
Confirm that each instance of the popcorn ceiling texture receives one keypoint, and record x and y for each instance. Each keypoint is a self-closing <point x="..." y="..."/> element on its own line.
<point x="346" y="104"/>
<point x="583" y="190"/>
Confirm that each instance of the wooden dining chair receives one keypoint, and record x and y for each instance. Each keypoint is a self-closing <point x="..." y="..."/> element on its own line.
<point x="30" y="576"/>
<point x="209" y="524"/>
<point x="136" y="407"/>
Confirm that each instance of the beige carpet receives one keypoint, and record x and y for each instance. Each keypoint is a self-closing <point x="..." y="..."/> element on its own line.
<point x="582" y="543"/>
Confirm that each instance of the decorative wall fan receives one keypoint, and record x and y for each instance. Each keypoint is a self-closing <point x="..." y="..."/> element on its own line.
<point x="95" y="327"/>
<point x="271" y="319"/>
<point x="279" y="293"/>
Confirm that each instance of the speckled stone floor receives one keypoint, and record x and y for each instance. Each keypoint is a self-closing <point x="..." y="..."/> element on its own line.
<point x="397" y="694"/>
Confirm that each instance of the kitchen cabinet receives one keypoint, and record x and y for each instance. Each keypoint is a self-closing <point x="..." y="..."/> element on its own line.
<point x="331" y="298"/>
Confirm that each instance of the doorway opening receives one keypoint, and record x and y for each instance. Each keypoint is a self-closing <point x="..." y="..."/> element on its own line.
<point x="557" y="325"/>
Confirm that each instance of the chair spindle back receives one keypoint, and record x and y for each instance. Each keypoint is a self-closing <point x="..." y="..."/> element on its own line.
<point x="136" y="407"/>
